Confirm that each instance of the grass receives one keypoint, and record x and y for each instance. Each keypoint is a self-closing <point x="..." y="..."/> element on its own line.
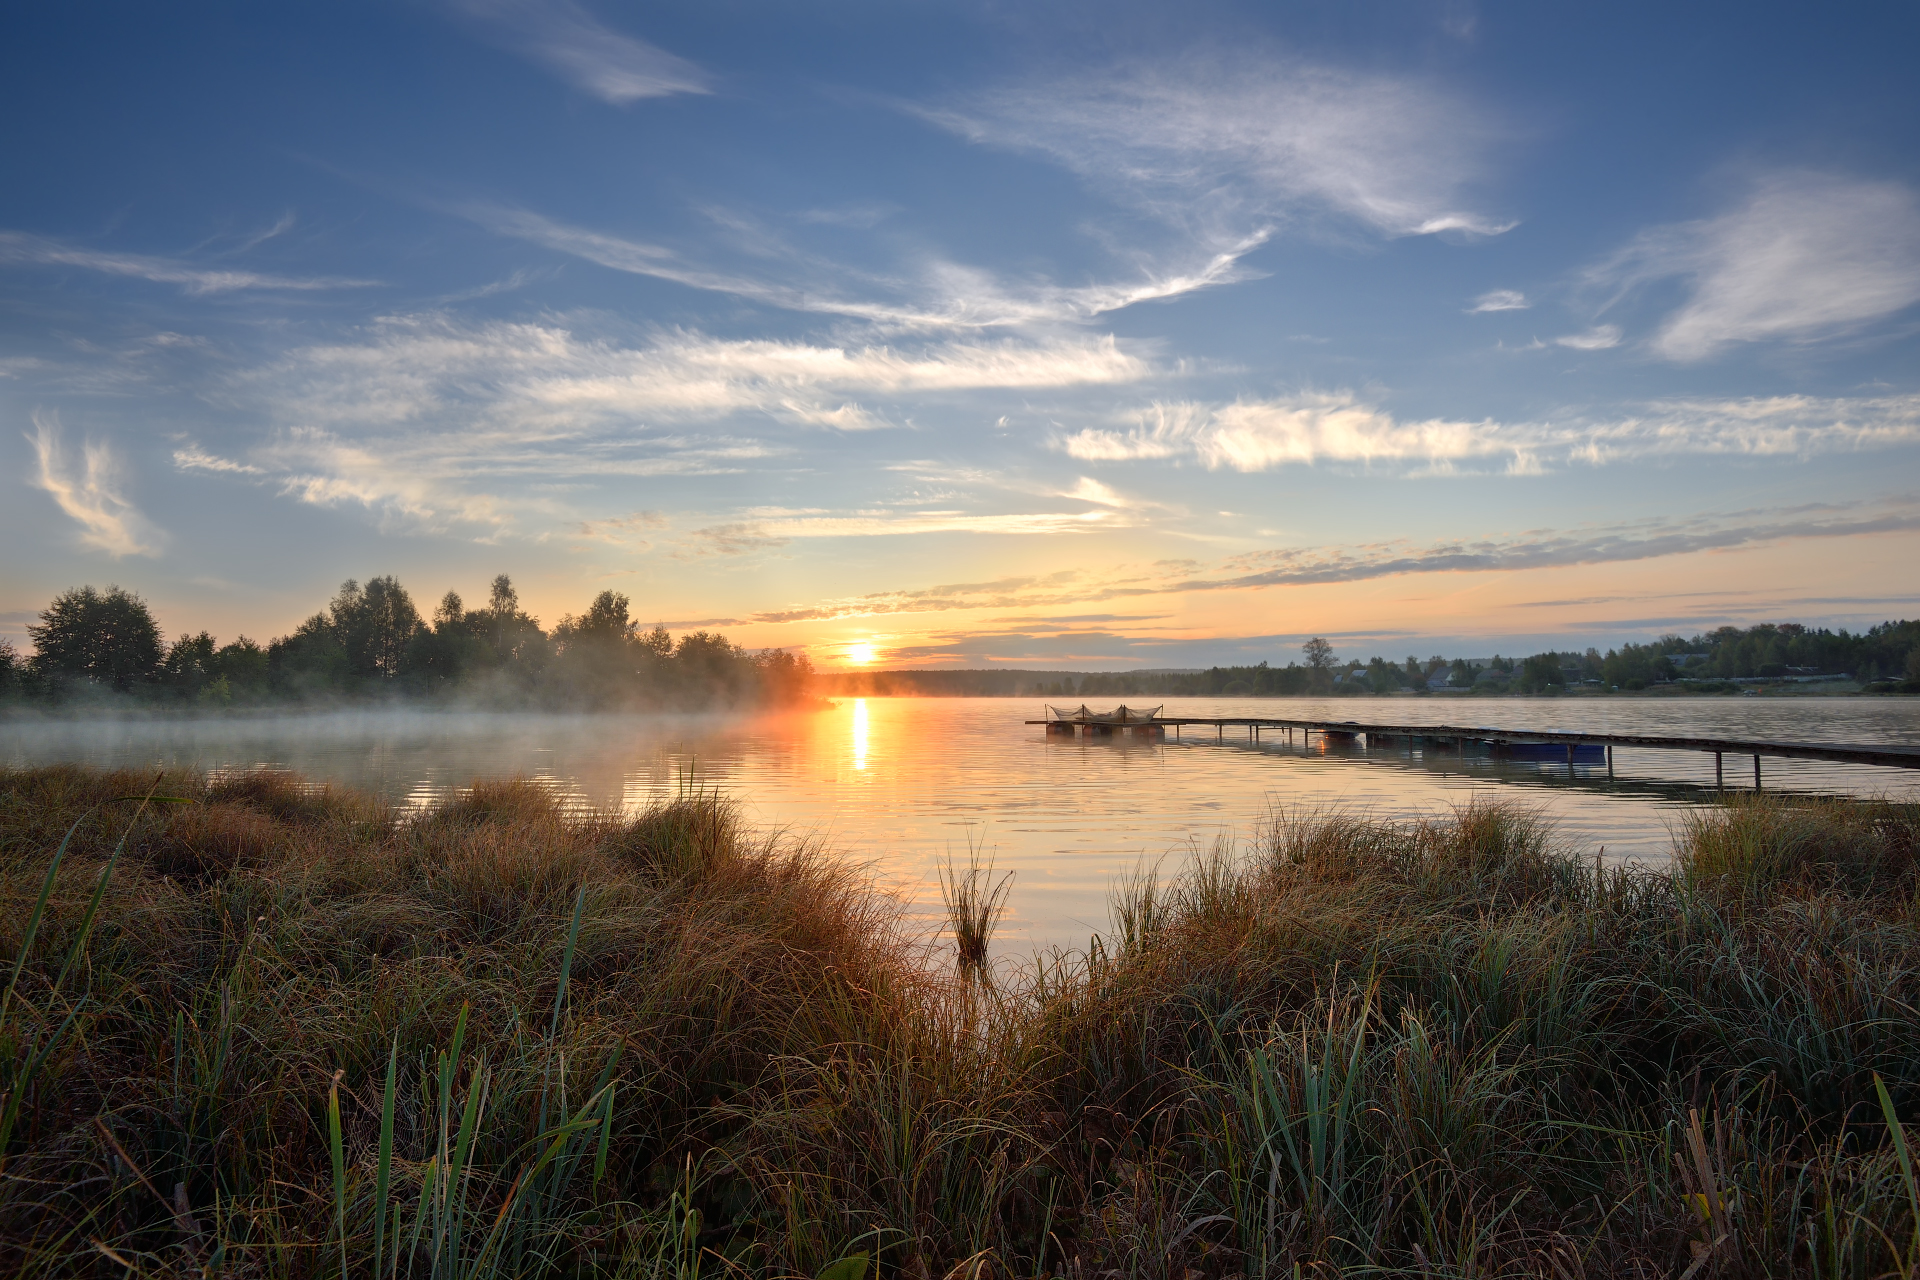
<point x="975" y="900"/>
<point x="274" y="1030"/>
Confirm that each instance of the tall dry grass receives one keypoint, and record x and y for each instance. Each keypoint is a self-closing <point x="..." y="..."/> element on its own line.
<point x="286" y="1033"/>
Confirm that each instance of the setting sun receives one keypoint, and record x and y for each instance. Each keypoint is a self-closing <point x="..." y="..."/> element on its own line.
<point x="859" y="654"/>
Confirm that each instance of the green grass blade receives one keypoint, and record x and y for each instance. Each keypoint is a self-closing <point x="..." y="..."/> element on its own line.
<point x="337" y="1149"/>
<point x="106" y="874"/>
<point x="566" y="961"/>
<point x="382" y="1178"/>
<point x="10" y="1114"/>
<point x="1898" y="1134"/>
<point x="462" y="1148"/>
<point x="606" y="1137"/>
<point x="39" y="910"/>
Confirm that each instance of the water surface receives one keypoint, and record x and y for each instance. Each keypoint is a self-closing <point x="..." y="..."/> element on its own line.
<point x="901" y="783"/>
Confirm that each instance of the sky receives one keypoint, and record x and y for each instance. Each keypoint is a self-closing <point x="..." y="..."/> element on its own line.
<point x="1091" y="336"/>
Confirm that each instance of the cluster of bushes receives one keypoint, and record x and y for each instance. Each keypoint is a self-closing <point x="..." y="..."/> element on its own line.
<point x="372" y="643"/>
<point x="274" y="1029"/>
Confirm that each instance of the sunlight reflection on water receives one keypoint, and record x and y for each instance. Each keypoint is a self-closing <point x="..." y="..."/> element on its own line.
<point x="900" y="783"/>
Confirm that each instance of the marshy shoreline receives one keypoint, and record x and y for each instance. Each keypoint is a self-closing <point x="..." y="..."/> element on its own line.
<point x="259" y="1027"/>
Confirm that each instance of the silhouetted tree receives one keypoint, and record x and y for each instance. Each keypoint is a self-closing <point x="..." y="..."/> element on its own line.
<point x="191" y="665"/>
<point x="376" y="625"/>
<point x="242" y="668"/>
<point x="108" y="636"/>
<point x="708" y="662"/>
<point x="1319" y="664"/>
<point x="784" y="677"/>
<point x="515" y="637"/>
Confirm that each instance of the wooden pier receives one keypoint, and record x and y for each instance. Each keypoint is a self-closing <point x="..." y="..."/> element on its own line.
<point x="1463" y="738"/>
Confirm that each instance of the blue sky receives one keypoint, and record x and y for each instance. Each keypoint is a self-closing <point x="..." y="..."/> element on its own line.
<point x="1077" y="335"/>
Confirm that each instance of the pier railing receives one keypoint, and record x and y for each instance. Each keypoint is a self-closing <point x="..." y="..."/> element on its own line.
<point x="1463" y="736"/>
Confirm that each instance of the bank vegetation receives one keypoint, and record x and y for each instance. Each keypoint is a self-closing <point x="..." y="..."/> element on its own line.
<point x="257" y="1027"/>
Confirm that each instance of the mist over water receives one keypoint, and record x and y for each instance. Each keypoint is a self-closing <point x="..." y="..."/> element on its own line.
<point x="899" y="783"/>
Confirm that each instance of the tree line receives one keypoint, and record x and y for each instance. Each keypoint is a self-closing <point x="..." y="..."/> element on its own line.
<point x="1884" y="658"/>
<point x="371" y="644"/>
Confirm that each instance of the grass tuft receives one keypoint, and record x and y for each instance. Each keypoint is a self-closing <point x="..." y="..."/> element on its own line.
<point x="975" y="901"/>
<point x="280" y="1031"/>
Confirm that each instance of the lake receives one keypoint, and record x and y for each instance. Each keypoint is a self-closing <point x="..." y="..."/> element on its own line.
<point x="902" y="783"/>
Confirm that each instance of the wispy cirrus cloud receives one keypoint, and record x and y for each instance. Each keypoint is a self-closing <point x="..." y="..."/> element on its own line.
<point x="1550" y="548"/>
<point x="441" y="482"/>
<point x="632" y="530"/>
<point x="545" y="378"/>
<point x="1499" y="300"/>
<point x="90" y="493"/>
<point x="931" y="293"/>
<point x="1227" y="142"/>
<point x="32" y="250"/>
<point x="422" y="416"/>
<point x="1803" y="257"/>
<point x="1602" y="337"/>
<point x="1338" y="427"/>
<point x="569" y="41"/>
<point x="1621" y="542"/>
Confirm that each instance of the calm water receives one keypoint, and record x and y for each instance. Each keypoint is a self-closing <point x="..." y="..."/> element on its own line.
<point x="901" y="783"/>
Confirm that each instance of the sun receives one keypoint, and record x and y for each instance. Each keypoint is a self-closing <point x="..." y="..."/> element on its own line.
<point x="860" y="654"/>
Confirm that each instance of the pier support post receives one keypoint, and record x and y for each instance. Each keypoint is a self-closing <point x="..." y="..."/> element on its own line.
<point x="1719" y="778"/>
<point x="1609" y="760"/>
<point x="1569" y="759"/>
<point x="1756" y="771"/>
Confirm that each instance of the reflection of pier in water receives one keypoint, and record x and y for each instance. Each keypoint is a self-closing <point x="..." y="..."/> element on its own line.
<point x="1438" y="743"/>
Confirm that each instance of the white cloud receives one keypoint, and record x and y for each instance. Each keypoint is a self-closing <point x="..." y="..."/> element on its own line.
<point x="887" y="523"/>
<point x="935" y="294"/>
<point x="1806" y="257"/>
<point x="191" y="457"/>
<point x="1223" y="142"/>
<point x="17" y="246"/>
<point x="1599" y="338"/>
<point x="584" y="51"/>
<point x="91" y="494"/>
<point x="1337" y="427"/>
<point x="1499" y="300"/>
<point x="1258" y="435"/>
<point x="1087" y="489"/>
<point x="546" y="380"/>
<point x="766" y="532"/>
<point x="422" y="413"/>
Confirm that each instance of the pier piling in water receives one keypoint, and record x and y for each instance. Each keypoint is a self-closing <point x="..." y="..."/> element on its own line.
<point x="1536" y="744"/>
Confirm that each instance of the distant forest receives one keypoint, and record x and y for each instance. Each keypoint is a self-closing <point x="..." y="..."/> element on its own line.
<point x="1882" y="659"/>
<point x="370" y="644"/>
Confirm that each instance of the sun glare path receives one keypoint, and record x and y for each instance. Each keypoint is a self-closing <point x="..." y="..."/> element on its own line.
<point x="860" y="733"/>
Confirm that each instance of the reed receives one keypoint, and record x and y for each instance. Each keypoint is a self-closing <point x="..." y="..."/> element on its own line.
<point x="276" y="1030"/>
<point x="975" y="900"/>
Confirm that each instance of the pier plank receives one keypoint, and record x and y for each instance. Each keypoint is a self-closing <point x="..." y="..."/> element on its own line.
<point x="1894" y="757"/>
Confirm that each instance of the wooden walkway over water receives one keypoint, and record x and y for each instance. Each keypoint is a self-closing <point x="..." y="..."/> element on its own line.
<point x="1462" y="739"/>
